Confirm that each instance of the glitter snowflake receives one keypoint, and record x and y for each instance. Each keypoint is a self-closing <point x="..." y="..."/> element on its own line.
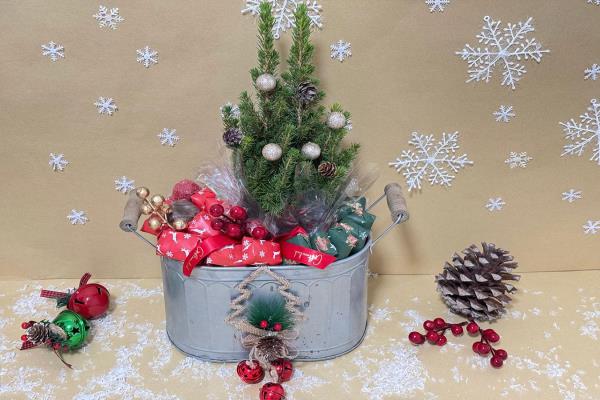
<point x="341" y="50"/>
<point x="53" y="50"/>
<point x="230" y="109"/>
<point x="106" y="105"/>
<point x="571" y="195"/>
<point x="434" y="161"/>
<point x="283" y="12"/>
<point x="168" y="137"/>
<point x="504" y="114"/>
<point x="77" y="217"/>
<point x="503" y="47"/>
<point x="515" y="160"/>
<point x="495" y="204"/>
<point x="591" y="227"/>
<point x="592" y="72"/>
<point x="147" y="56"/>
<point x="106" y="17"/>
<point x="437" y="5"/>
<point x="594" y="2"/>
<point x="124" y="185"/>
<point x="57" y="162"/>
<point x="584" y="132"/>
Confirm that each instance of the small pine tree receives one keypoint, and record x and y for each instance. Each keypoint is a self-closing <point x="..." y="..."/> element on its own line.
<point x="280" y="117"/>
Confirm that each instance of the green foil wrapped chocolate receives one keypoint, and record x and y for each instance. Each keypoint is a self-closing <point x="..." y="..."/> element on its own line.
<point x="320" y="241"/>
<point x="354" y="211"/>
<point x="75" y="327"/>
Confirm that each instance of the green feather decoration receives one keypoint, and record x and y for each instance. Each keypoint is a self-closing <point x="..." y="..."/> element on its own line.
<point x="271" y="309"/>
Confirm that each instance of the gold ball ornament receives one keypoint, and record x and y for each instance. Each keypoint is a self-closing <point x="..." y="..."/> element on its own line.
<point x="157" y="200"/>
<point x="166" y="207"/>
<point x="154" y="223"/>
<point x="336" y="120"/>
<point x="147" y="209"/>
<point x="266" y="82"/>
<point x="142" y="192"/>
<point x="311" y="151"/>
<point x="179" y="224"/>
<point x="272" y="152"/>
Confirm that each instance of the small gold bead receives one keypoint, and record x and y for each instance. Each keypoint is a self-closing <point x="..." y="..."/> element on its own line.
<point x="157" y="200"/>
<point x="179" y="224"/>
<point x="142" y="192"/>
<point x="146" y="209"/>
<point x="154" y="223"/>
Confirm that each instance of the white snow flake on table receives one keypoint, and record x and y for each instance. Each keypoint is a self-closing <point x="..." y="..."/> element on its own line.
<point x="106" y="105"/>
<point x="147" y="56"/>
<point x="341" y="50"/>
<point x="495" y="204"/>
<point x="283" y="11"/>
<point x="515" y="160"/>
<point x="503" y="47"/>
<point x="57" y="162"/>
<point x="124" y="185"/>
<point x="584" y="132"/>
<point x="234" y="109"/>
<point x="106" y="17"/>
<point x="591" y="227"/>
<point x="168" y="137"/>
<point x="593" y="72"/>
<point x="435" y="161"/>
<point x="437" y="5"/>
<point x="77" y="217"/>
<point x="53" y="50"/>
<point x="504" y="113"/>
<point x="571" y="195"/>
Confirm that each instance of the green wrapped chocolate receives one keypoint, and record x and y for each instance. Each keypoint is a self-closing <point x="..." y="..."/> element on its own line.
<point x="300" y="238"/>
<point x="320" y="241"/>
<point x="354" y="211"/>
<point x="343" y="241"/>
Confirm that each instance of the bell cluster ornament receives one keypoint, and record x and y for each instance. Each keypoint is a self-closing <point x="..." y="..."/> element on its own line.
<point x="272" y="391"/>
<point x="233" y="137"/>
<point x="272" y="151"/>
<point x="158" y="210"/>
<point x="306" y="93"/>
<point x="250" y="372"/>
<point x="90" y="300"/>
<point x="311" y="151"/>
<point x="327" y="169"/>
<point x="266" y="83"/>
<point x="336" y="120"/>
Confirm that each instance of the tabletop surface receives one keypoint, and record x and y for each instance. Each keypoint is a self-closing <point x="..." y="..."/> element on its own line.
<point x="550" y="332"/>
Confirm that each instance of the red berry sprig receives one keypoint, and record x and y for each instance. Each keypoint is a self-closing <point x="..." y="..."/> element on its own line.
<point x="435" y="334"/>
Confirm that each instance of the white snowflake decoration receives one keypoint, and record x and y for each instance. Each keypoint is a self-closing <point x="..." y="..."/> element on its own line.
<point x="434" y="161"/>
<point x="53" y="50"/>
<point x="57" y="162"/>
<point x="591" y="227"/>
<point x="515" y="160"/>
<point x="283" y="12"/>
<point x="124" y="185"/>
<point x="147" y="56"/>
<point x="235" y="110"/>
<point x="495" y="204"/>
<point x="168" y="137"/>
<point x="437" y="5"/>
<point x="584" y="132"/>
<point x="594" y="2"/>
<point x="77" y="217"/>
<point x="593" y="72"/>
<point x="106" y="17"/>
<point x="341" y="50"/>
<point x="106" y="105"/>
<point x="504" y="114"/>
<point x="572" y="195"/>
<point x="503" y="47"/>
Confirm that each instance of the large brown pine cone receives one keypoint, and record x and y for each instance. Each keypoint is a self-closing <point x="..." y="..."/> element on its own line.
<point x="327" y="169"/>
<point x="475" y="286"/>
<point x="306" y="93"/>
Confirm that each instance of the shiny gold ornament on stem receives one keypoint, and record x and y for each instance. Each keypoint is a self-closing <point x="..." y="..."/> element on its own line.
<point x="158" y="210"/>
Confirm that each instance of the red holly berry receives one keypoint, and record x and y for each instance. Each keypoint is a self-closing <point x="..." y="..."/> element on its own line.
<point x="284" y="369"/>
<point x="432" y="337"/>
<point x="439" y="323"/>
<point x="234" y="231"/>
<point x="238" y="213"/>
<point x="24" y="338"/>
<point x="496" y="362"/>
<point x="25" y="325"/>
<point x="472" y="328"/>
<point x="264" y="324"/>
<point x="217" y="224"/>
<point x="429" y="325"/>
<point x="56" y="346"/>
<point x="491" y="335"/>
<point x="484" y="348"/>
<point x="502" y="354"/>
<point x="259" y="233"/>
<point x="65" y="348"/>
<point x="277" y="327"/>
<point x="250" y="372"/>
<point x="216" y="210"/>
<point x="457" y="330"/>
<point x="416" y="338"/>
<point x="475" y="347"/>
<point x="442" y="340"/>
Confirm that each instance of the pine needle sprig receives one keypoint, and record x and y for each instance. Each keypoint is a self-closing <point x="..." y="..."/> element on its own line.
<point x="271" y="309"/>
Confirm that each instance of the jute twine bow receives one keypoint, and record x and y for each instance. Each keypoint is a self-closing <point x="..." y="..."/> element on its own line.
<point x="265" y="346"/>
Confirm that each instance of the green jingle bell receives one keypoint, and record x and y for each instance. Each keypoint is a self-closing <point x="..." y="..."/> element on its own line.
<point x="75" y="326"/>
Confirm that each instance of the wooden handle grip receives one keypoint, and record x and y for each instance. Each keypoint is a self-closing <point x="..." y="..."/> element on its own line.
<point x="396" y="202"/>
<point x="131" y="212"/>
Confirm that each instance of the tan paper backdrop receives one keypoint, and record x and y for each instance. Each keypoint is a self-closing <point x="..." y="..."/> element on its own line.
<point x="403" y="76"/>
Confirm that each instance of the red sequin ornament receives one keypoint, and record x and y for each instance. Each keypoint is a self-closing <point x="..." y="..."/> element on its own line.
<point x="184" y="190"/>
<point x="250" y="373"/>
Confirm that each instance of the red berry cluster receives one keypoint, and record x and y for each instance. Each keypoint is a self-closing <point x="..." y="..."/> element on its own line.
<point x="234" y="222"/>
<point x="277" y="327"/>
<point x="435" y="335"/>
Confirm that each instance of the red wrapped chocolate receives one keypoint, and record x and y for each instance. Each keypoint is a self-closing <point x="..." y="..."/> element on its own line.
<point x="176" y="245"/>
<point x="200" y="198"/>
<point x="250" y="252"/>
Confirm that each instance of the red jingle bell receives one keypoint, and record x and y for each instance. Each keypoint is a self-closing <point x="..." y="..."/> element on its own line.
<point x="284" y="369"/>
<point x="250" y="372"/>
<point x="272" y="391"/>
<point x="90" y="300"/>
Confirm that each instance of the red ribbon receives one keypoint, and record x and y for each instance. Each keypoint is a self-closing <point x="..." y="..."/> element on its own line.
<point x="203" y="249"/>
<point x="303" y="255"/>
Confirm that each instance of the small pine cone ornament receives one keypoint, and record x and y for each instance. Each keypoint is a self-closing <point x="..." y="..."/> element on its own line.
<point x="306" y="93"/>
<point x="327" y="169"/>
<point x="41" y="332"/>
<point x="475" y="286"/>
<point x="232" y="137"/>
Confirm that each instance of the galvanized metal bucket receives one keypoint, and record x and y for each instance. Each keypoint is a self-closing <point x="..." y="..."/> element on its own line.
<point x="333" y="300"/>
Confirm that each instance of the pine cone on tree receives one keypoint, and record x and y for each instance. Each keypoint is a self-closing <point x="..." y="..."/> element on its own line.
<point x="232" y="137"/>
<point x="475" y="286"/>
<point x="327" y="169"/>
<point x="306" y="92"/>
